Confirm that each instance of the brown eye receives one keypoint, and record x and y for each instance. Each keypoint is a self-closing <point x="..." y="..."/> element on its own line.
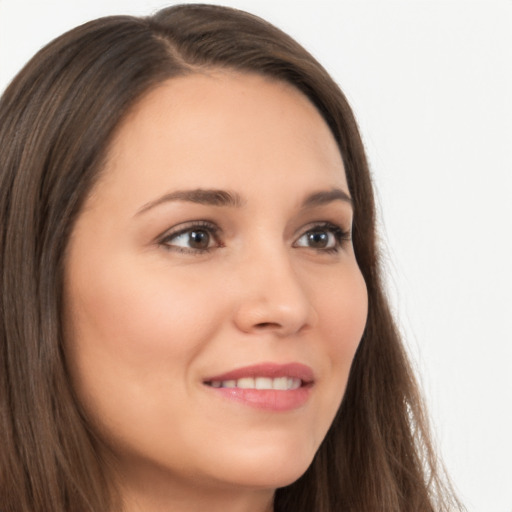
<point x="318" y="239"/>
<point x="198" y="239"/>
<point x="326" y="237"/>
<point x="195" y="238"/>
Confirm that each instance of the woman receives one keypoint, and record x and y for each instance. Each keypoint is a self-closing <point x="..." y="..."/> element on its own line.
<point x="192" y="312"/>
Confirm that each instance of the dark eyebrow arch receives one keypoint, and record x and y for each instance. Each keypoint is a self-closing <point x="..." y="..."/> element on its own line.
<point x="210" y="197"/>
<point x="326" y="196"/>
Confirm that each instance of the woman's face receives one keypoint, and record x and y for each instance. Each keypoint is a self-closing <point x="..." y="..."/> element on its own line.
<point x="213" y="302"/>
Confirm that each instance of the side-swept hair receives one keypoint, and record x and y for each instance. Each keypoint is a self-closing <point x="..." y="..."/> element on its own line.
<point x="57" y="119"/>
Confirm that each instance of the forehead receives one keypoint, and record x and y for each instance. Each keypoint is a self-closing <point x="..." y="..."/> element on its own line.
<point x="224" y="129"/>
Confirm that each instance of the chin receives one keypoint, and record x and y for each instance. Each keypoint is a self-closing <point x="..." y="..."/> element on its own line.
<point x="279" y="478"/>
<point x="268" y="472"/>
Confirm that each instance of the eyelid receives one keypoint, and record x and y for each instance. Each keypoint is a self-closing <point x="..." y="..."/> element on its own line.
<point x="325" y="224"/>
<point x="212" y="228"/>
<point x="340" y="233"/>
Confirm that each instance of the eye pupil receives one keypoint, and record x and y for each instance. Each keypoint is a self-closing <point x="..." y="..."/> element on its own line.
<point x="199" y="239"/>
<point x="318" y="239"/>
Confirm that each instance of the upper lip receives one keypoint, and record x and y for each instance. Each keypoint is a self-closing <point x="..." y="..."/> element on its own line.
<point x="270" y="370"/>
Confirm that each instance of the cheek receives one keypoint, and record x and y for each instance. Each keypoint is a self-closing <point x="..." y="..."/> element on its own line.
<point x="129" y="336"/>
<point x="137" y="316"/>
<point x="343" y="310"/>
<point x="342" y="320"/>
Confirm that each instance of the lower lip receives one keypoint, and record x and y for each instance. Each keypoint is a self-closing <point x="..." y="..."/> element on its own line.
<point x="268" y="399"/>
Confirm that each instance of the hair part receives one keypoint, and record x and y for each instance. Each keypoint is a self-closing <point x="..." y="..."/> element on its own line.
<point x="57" y="119"/>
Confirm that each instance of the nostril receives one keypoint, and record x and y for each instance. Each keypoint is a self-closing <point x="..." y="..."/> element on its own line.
<point x="267" y="325"/>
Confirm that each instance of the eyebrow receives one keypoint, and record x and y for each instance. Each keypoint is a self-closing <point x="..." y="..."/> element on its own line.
<point x="217" y="197"/>
<point x="326" y="196"/>
<point x="210" y="197"/>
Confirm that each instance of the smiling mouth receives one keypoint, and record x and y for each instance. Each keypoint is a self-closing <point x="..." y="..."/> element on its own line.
<point x="268" y="386"/>
<point x="260" y="383"/>
<point x="264" y="376"/>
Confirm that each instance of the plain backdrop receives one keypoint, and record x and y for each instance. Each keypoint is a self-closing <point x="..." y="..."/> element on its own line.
<point x="430" y="83"/>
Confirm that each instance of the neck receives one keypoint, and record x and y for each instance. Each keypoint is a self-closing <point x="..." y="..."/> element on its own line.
<point x="164" y="493"/>
<point x="201" y="502"/>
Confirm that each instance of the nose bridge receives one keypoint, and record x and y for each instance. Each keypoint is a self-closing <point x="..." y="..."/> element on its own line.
<point x="272" y="296"/>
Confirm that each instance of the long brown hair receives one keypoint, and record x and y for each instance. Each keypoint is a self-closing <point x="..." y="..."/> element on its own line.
<point x="56" y="120"/>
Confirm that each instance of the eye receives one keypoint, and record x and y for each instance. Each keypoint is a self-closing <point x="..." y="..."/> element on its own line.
<point x="323" y="237"/>
<point x="194" y="238"/>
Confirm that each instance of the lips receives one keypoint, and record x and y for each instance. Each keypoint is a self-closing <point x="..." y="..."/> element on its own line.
<point x="277" y="383"/>
<point x="278" y="387"/>
<point x="273" y="371"/>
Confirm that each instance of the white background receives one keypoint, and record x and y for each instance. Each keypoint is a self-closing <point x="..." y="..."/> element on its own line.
<point x="430" y="82"/>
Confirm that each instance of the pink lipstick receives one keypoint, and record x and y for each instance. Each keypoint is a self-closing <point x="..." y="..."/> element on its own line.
<point x="271" y="386"/>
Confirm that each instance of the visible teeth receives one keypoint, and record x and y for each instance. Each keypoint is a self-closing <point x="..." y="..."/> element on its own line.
<point x="245" y="383"/>
<point x="279" y="383"/>
<point x="264" y="383"/>
<point x="293" y="383"/>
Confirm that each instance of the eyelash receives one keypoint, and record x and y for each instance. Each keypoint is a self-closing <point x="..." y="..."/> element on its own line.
<point x="341" y="236"/>
<point x="206" y="226"/>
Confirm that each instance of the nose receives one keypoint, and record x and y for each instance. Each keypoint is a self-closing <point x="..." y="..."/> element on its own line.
<point x="272" y="298"/>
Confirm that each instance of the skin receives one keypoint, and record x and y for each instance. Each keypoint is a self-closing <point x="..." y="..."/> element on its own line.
<point x="148" y="315"/>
